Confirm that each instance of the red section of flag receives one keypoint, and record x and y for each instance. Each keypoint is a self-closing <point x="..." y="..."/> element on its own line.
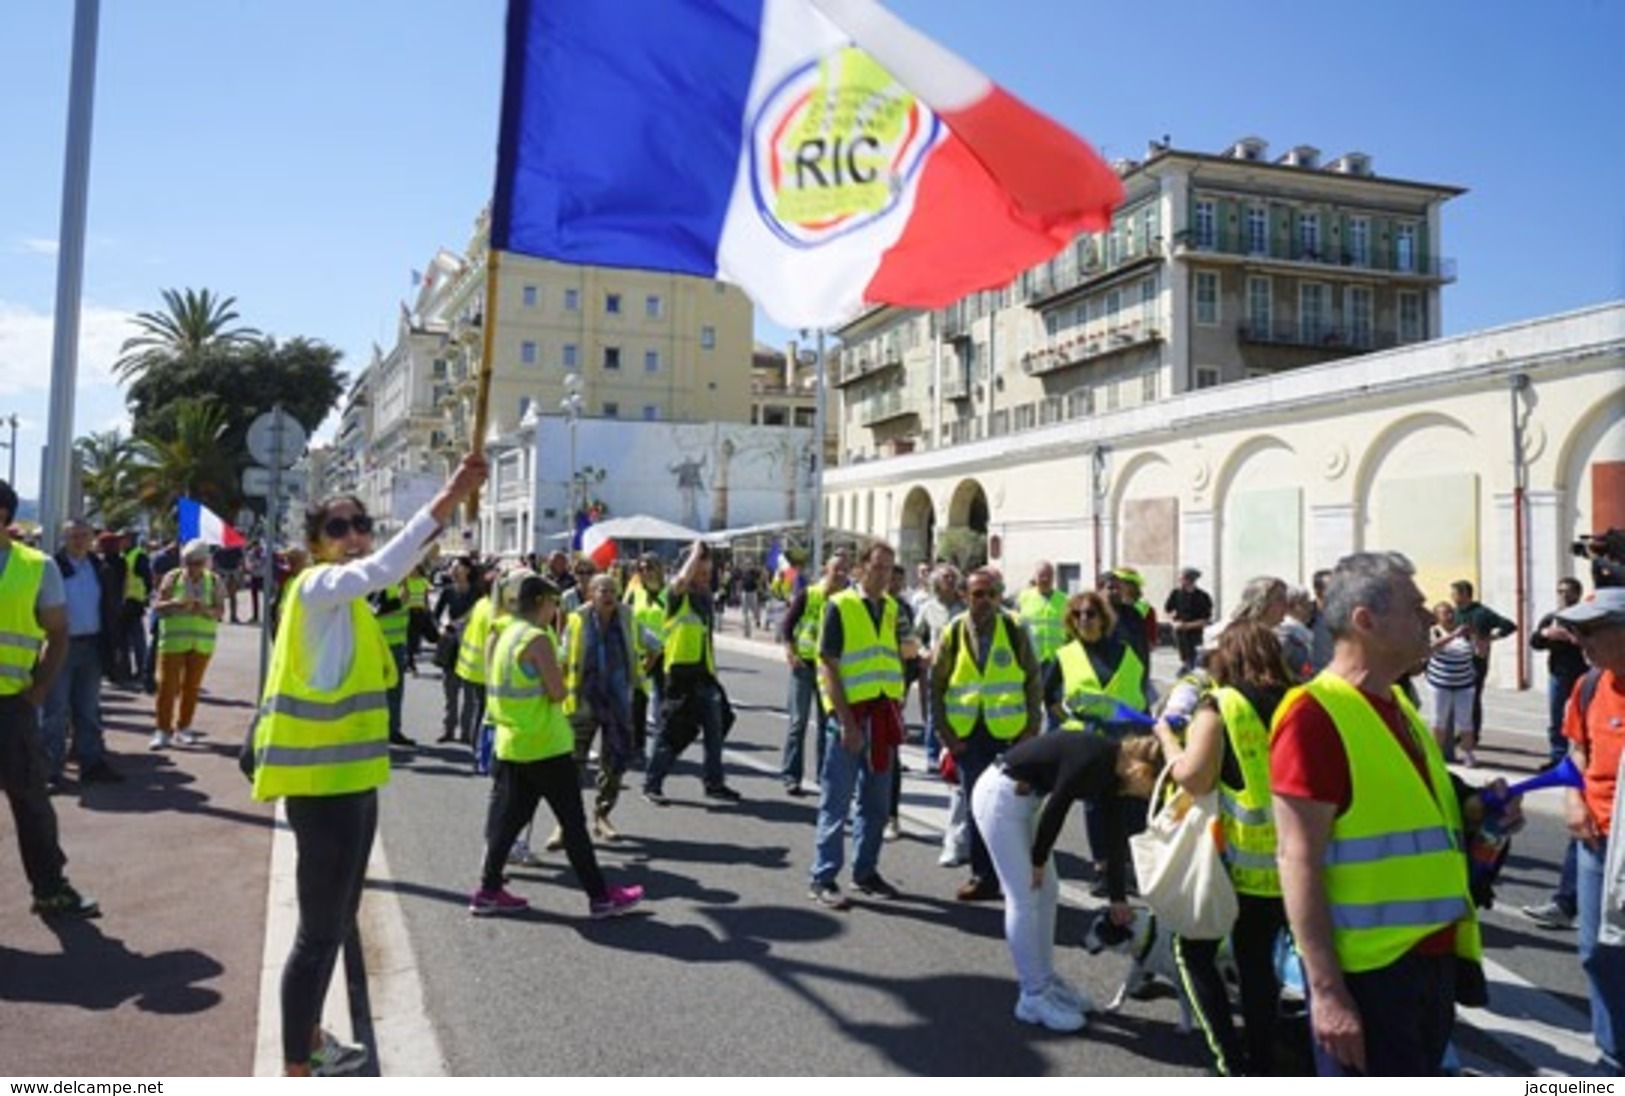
<point x="598" y="547"/>
<point x="1005" y="191"/>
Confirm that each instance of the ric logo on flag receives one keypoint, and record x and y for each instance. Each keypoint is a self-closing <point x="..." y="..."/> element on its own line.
<point x="834" y="148"/>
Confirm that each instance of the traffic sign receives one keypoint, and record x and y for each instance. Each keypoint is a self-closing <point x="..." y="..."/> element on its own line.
<point x="276" y="438"/>
<point x="257" y="484"/>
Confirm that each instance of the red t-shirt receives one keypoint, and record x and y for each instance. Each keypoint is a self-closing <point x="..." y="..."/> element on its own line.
<point x="1308" y="760"/>
<point x="1602" y="738"/>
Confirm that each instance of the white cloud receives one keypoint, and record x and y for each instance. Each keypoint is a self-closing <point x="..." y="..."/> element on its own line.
<point x="25" y="347"/>
<point x="35" y="245"/>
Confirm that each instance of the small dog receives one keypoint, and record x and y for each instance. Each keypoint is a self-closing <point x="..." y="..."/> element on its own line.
<point x="1152" y="952"/>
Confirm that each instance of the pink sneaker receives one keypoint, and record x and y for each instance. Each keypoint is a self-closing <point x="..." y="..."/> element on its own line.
<point x="484" y="903"/>
<point x="616" y="901"/>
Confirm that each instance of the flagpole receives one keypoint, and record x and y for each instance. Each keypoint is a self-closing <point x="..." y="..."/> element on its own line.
<point x="482" y="394"/>
<point x="818" y="465"/>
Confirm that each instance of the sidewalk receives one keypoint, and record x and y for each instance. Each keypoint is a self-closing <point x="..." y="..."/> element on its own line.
<point x="178" y="857"/>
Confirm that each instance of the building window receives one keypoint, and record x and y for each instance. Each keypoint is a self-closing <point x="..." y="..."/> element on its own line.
<point x="612" y="303"/>
<point x="1309" y="236"/>
<point x="1114" y="245"/>
<point x="1411" y="326"/>
<point x="529" y="295"/>
<point x="1207" y="376"/>
<point x="1152" y="228"/>
<point x="651" y="361"/>
<point x="1114" y="303"/>
<point x="1148" y="292"/>
<point x="1357" y="315"/>
<point x="1359" y="241"/>
<point x="1207" y="228"/>
<point x="1148" y="387"/>
<point x="612" y="357"/>
<point x="438" y="369"/>
<point x="1258" y="230"/>
<point x="572" y="300"/>
<point x="1260" y="298"/>
<point x="1311" y="312"/>
<point x="653" y="306"/>
<point x="1207" y="298"/>
<point x="708" y="337"/>
<point x="1405" y="248"/>
<point x="651" y="412"/>
<point x="806" y="416"/>
<point x="527" y="352"/>
<point x="570" y="355"/>
<point x="612" y="410"/>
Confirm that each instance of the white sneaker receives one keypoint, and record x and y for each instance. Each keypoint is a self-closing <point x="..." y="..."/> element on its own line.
<point x="1041" y="1009"/>
<point x="186" y="736"/>
<point x="160" y="741"/>
<point x="1064" y="993"/>
<point x="522" y="855"/>
<point x="950" y="859"/>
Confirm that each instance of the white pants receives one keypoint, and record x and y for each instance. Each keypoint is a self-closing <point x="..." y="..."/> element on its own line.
<point x="956" y="834"/>
<point x="1007" y="821"/>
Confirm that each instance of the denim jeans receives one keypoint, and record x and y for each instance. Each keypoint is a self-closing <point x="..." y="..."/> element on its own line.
<point x="1407" y="1011"/>
<point x="801" y="704"/>
<point x="1557" y="700"/>
<point x="1567" y="894"/>
<point x="844" y="775"/>
<point x="76" y="695"/>
<point x="981" y="750"/>
<point x="708" y="711"/>
<point x="22" y="778"/>
<point x="1604" y="966"/>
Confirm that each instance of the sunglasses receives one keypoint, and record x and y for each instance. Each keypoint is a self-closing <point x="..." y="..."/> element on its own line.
<point x="980" y="595"/>
<point x="1085" y="614"/>
<point x="337" y="528"/>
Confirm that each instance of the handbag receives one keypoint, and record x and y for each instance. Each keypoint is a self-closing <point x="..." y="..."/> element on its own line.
<point x="1176" y="860"/>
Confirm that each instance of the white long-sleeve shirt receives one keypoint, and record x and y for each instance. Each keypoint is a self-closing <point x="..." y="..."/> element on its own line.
<point x="326" y="599"/>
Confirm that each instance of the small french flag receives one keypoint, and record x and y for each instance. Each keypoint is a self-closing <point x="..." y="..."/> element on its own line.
<point x="598" y="546"/>
<point x="198" y="522"/>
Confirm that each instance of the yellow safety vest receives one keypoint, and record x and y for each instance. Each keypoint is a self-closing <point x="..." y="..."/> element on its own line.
<point x="179" y="633"/>
<point x="870" y="666"/>
<point x="1045" y="618"/>
<point x="574" y="652"/>
<point x="686" y="638"/>
<point x="1395" y="869"/>
<point x="471" y="646"/>
<point x="135" y="587"/>
<point x="530" y="726"/>
<point x="21" y="636"/>
<point x="997" y="693"/>
<point x="417" y="592"/>
<point x="1249" y="820"/>
<point x="1078" y="680"/>
<point x="811" y="624"/>
<point x="396" y="622"/>
<point x="311" y="742"/>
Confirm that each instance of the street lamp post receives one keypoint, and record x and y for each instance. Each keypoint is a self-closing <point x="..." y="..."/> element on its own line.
<point x="571" y="405"/>
<point x="12" y="421"/>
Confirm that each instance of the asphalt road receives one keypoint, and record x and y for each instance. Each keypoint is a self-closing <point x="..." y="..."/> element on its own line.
<point x="729" y="969"/>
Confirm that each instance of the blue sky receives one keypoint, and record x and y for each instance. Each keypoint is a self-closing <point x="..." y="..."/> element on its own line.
<point x="306" y="156"/>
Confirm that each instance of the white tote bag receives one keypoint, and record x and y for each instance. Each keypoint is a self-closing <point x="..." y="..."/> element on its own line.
<point x="1176" y="861"/>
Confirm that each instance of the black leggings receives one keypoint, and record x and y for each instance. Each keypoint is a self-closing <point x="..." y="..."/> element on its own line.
<point x="1253" y="943"/>
<point x="334" y="837"/>
<point x="517" y="787"/>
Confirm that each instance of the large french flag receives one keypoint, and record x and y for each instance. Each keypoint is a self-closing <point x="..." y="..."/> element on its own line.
<point x="821" y="154"/>
<point x="198" y="522"/>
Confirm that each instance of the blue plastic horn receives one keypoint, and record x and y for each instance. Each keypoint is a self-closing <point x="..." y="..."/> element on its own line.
<point x="1565" y="774"/>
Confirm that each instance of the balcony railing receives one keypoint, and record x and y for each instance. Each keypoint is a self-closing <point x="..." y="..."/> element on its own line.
<point x="1239" y="245"/>
<point x="1095" y="263"/>
<point x="890" y="405"/>
<point x="955" y="385"/>
<point x="864" y="365"/>
<point x="1323" y="335"/>
<point x="1097" y="342"/>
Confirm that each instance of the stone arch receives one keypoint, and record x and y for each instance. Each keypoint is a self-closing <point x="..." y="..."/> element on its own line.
<point x="968" y="509"/>
<point x="1596" y="437"/>
<point x="1143" y="500"/>
<point x="1258" y="510"/>
<point x="1434" y="511"/>
<point x="917" y="530"/>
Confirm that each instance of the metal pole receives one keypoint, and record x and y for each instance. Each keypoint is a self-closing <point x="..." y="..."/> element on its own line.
<point x="1520" y="565"/>
<point x="818" y="467"/>
<point x="55" y="490"/>
<point x="273" y="524"/>
<point x="12" y="478"/>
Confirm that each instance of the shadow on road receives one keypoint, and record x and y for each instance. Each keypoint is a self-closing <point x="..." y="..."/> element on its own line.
<point x="98" y="972"/>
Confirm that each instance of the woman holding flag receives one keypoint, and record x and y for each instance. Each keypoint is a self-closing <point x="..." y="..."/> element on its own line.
<point x="321" y="740"/>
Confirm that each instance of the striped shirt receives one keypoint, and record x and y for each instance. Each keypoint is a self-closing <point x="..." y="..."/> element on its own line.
<point x="1451" y="666"/>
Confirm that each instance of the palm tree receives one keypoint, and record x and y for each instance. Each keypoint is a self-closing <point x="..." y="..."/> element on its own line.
<point x="192" y="463"/>
<point x="194" y="323"/>
<point x="109" y="462"/>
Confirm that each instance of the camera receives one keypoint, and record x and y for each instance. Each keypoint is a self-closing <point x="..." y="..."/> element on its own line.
<point x="1606" y="551"/>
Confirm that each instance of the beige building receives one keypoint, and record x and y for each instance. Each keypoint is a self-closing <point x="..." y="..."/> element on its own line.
<point x="1480" y="457"/>
<point x="1217" y="268"/>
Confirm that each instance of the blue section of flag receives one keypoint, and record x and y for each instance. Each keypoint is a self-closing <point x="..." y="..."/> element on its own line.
<point x="189" y="515"/>
<point x="622" y="129"/>
<point x="775" y="554"/>
<point x="582" y="522"/>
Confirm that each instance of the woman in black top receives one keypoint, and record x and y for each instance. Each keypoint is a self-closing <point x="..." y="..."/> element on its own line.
<point x="1250" y="676"/>
<point x="451" y="609"/>
<point x="1066" y="767"/>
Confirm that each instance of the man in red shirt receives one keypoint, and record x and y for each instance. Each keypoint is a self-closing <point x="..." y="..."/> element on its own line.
<point x="1595" y="740"/>
<point x="1394" y="1018"/>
